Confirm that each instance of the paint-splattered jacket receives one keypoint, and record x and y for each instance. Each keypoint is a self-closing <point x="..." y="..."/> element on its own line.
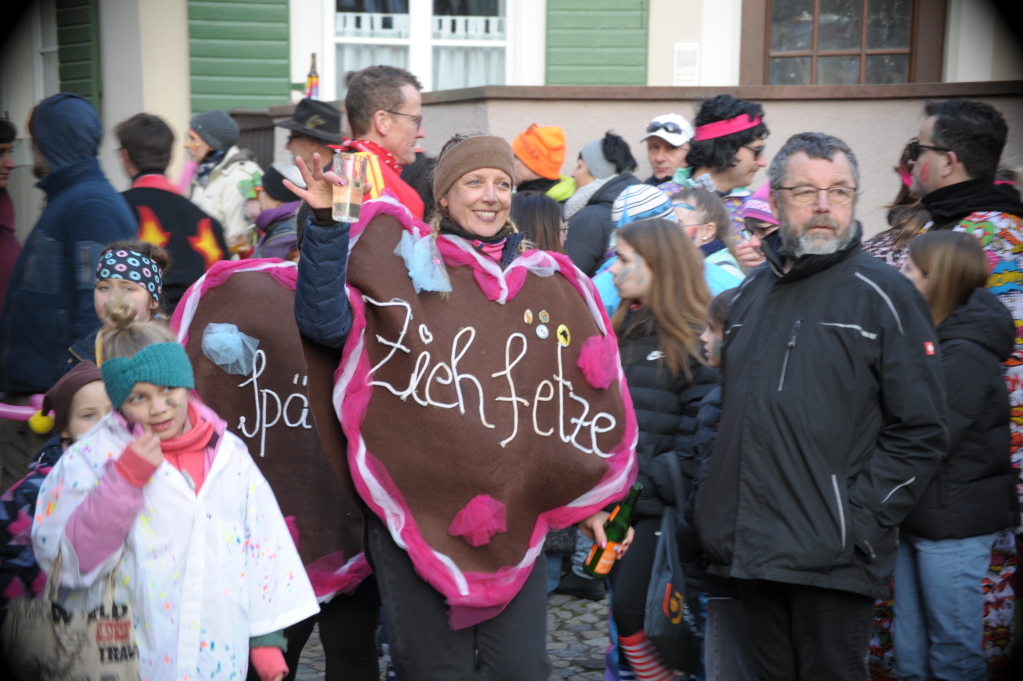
<point x="204" y="572"/>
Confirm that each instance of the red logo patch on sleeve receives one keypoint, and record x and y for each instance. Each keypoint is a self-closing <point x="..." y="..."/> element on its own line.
<point x="929" y="348"/>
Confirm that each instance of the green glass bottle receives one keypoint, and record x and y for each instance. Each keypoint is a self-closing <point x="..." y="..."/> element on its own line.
<point x="616" y="527"/>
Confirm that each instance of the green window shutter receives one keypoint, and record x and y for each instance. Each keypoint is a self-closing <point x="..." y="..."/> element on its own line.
<point x="238" y="54"/>
<point x="598" y="42"/>
<point x="78" y="48"/>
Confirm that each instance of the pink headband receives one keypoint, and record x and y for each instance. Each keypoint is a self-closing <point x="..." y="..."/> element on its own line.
<point x="726" y="127"/>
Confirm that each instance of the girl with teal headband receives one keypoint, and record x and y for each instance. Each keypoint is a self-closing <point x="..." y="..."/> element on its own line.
<point x="163" y="496"/>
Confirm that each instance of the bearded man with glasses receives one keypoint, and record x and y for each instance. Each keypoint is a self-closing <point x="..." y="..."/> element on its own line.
<point x="831" y="426"/>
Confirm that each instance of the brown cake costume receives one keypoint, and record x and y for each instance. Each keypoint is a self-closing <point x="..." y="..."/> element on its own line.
<point x="264" y="384"/>
<point x="479" y="417"/>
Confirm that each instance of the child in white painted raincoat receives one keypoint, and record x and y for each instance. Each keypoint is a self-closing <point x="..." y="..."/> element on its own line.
<point x="160" y="493"/>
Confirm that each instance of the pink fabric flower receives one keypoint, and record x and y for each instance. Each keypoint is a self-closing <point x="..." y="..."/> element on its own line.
<point x="481" y="519"/>
<point x="598" y="360"/>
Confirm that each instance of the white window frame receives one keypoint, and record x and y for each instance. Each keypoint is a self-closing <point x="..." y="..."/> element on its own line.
<point x="38" y="67"/>
<point x="420" y="43"/>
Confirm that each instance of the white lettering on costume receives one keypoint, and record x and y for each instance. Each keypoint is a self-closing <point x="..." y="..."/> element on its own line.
<point x="449" y="375"/>
<point x="262" y="398"/>
<point x="508" y="366"/>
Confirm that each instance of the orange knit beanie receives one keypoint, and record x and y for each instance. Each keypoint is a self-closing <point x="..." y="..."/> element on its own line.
<point x="542" y="150"/>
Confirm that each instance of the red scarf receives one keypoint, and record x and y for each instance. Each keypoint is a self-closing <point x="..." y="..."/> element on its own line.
<point x="386" y="157"/>
<point x="188" y="451"/>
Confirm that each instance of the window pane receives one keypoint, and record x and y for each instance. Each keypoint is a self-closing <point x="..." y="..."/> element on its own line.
<point x="888" y="23"/>
<point x="791" y="25"/>
<point x="790" y="71"/>
<point x="356" y="25"/>
<point x="887" y="68"/>
<point x="468" y="8"/>
<point x="840" y="25"/>
<point x="373" y="6"/>
<point x="838" y="70"/>
<point x="358" y="57"/>
<point x="458" y="67"/>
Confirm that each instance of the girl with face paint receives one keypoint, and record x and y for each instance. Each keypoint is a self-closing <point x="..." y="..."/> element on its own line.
<point x="659" y="274"/>
<point x="161" y="494"/>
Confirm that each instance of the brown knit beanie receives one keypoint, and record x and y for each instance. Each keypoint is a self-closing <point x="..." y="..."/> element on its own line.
<point x="472" y="153"/>
<point x="58" y="398"/>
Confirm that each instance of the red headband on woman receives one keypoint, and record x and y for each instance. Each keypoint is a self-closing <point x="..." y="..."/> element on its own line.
<point x="726" y="127"/>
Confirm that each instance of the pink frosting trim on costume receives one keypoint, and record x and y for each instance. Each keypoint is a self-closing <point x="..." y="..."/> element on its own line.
<point x="597" y="361"/>
<point x="726" y="127"/>
<point x="485" y="594"/>
<point x="286" y="276"/>
<point x="482" y="518"/>
<point x="331" y="574"/>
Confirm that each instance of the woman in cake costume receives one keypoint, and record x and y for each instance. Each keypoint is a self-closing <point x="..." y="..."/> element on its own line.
<point x="483" y="401"/>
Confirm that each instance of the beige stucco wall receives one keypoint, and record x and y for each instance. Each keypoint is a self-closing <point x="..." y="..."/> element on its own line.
<point x="17" y="98"/>
<point x="671" y="21"/>
<point x="144" y="66"/>
<point x="876" y="130"/>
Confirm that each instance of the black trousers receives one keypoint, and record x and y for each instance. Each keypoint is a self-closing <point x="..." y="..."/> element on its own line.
<point x="807" y="633"/>
<point x="508" y="647"/>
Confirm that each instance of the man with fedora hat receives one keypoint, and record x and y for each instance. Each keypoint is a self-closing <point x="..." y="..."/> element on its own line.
<point x="313" y="126"/>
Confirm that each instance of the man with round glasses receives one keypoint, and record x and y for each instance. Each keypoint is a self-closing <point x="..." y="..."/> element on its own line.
<point x="667" y="143"/>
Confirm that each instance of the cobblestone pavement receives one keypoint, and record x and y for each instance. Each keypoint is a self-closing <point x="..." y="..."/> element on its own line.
<point x="576" y="641"/>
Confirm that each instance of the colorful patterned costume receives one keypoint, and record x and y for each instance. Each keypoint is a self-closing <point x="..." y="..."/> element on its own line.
<point x="1001" y="235"/>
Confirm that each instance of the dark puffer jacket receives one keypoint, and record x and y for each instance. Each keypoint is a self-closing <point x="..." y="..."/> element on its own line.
<point x="689" y="552"/>
<point x="974" y="492"/>
<point x="666" y="408"/>
<point x="590" y="229"/>
<point x="832" y="423"/>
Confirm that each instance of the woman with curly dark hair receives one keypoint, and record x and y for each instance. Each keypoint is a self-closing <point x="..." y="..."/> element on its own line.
<point x="726" y="152"/>
<point x="603" y="171"/>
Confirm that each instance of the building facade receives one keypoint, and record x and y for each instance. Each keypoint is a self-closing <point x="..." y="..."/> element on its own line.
<point x="180" y="57"/>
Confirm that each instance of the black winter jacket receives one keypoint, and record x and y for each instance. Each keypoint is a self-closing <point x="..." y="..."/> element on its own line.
<point x="666" y="409"/>
<point x="974" y="492"/>
<point x="590" y="229"/>
<point x="832" y="423"/>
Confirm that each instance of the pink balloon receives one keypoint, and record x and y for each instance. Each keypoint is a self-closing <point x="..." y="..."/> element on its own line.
<point x="16" y="413"/>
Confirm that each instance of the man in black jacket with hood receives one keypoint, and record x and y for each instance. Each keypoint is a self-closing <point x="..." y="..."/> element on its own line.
<point x="831" y="426"/>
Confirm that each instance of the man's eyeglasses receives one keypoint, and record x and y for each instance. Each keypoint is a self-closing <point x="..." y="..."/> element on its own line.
<point x="418" y="120"/>
<point x="805" y="195"/>
<point x="757" y="151"/>
<point x="915" y="149"/>
<point x="673" y="128"/>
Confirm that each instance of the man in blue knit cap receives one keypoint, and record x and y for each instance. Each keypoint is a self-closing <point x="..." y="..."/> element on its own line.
<point x="49" y="301"/>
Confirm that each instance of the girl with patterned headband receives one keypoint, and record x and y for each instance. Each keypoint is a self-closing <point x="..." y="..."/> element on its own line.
<point x="129" y="270"/>
<point x="164" y="498"/>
